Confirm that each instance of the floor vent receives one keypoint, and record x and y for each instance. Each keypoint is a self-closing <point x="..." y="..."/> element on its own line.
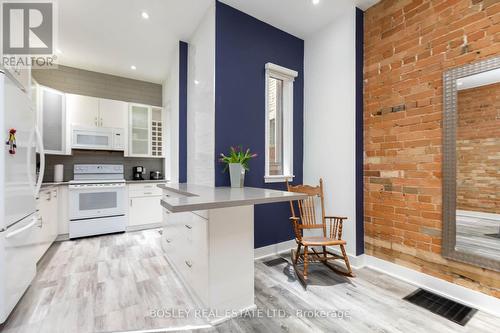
<point x="444" y="307"/>
<point x="275" y="262"/>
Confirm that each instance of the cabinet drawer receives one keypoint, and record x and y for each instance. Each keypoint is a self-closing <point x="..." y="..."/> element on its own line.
<point x="143" y="190"/>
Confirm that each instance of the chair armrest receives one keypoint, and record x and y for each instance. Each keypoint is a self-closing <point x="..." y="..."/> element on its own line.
<point x="336" y="224"/>
<point x="336" y="217"/>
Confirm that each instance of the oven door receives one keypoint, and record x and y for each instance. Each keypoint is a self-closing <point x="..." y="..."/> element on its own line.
<point x="88" y="201"/>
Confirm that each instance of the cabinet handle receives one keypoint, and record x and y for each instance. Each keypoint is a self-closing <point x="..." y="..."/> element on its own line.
<point x="168" y="240"/>
<point x="40" y="222"/>
<point x="101" y="122"/>
<point x="49" y="196"/>
<point x="188" y="226"/>
<point x="131" y="202"/>
<point x="95" y="121"/>
<point x="148" y="193"/>
<point x="189" y="263"/>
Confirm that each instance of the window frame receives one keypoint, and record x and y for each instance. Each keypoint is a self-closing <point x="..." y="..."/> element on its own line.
<point x="288" y="77"/>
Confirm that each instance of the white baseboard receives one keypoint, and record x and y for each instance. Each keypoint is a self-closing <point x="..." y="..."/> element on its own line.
<point x="463" y="295"/>
<point x="270" y="250"/>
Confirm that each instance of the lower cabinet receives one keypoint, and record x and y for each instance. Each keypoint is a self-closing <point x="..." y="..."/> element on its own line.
<point x="48" y="207"/>
<point x="144" y="205"/>
<point x="185" y="239"/>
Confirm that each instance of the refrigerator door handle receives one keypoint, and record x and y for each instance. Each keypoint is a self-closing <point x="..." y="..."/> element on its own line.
<point x="42" y="161"/>
<point x="21" y="230"/>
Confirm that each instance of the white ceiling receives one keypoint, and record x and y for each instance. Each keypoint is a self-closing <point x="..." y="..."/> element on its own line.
<point x="110" y="36"/>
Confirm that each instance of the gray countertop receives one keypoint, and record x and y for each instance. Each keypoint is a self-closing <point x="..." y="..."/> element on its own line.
<point x="198" y="197"/>
<point x="146" y="181"/>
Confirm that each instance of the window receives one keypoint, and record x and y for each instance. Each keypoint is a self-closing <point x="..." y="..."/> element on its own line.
<point x="279" y="123"/>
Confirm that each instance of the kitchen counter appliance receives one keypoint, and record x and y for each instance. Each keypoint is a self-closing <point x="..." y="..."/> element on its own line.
<point x="138" y="171"/>
<point x="97" y="200"/>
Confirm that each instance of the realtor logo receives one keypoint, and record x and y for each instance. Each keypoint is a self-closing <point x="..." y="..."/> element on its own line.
<point x="27" y="28"/>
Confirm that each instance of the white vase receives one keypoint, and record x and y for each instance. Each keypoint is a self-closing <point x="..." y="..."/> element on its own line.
<point x="237" y="174"/>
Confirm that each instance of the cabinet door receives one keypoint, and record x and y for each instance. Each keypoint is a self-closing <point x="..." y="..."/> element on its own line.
<point x="54" y="117"/>
<point x="145" y="210"/>
<point x="113" y="113"/>
<point x="140" y="131"/>
<point x="83" y="110"/>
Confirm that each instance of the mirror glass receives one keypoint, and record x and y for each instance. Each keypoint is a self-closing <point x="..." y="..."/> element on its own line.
<point x="478" y="165"/>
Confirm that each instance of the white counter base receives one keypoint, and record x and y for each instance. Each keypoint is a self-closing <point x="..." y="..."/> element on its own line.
<point x="214" y="258"/>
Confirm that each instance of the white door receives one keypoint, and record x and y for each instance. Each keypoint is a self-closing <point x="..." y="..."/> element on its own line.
<point x="18" y="172"/>
<point x="113" y="113"/>
<point x="83" y="110"/>
<point x="17" y="262"/>
<point x="145" y="210"/>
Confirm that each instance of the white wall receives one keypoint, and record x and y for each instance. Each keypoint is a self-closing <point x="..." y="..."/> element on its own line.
<point x="171" y="106"/>
<point x="329" y="117"/>
<point x="201" y="103"/>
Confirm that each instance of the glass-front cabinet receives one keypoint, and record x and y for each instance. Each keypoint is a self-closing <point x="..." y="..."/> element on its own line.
<point x="145" y="131"/>
<point x="52" y="120"/>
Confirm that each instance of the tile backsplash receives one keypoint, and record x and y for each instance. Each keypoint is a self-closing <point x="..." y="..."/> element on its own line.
<point x="99" y="157"/>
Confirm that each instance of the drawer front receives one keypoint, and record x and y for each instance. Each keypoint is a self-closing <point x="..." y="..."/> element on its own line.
<point x="144" y="190"/>
<point x="170" y="194"/>
<point x="196" y="255"/>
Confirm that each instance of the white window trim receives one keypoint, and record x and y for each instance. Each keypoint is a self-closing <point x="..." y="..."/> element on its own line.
<point x="288" y="77"/>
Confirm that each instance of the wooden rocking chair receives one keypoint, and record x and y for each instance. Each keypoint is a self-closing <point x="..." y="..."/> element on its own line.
<point x="307" y="221"/>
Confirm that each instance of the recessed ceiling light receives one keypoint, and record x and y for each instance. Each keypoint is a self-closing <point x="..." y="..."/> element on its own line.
<point x="133" y="67"/>
<point x="315" y="2"/>
<point x="145" y="15"/>
<point x="196" y="82"/>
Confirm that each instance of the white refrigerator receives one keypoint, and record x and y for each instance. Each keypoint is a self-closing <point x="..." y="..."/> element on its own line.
<point x="18" y="191"/>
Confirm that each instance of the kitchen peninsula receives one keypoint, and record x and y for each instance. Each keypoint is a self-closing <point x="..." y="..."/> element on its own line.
<point x="208" y="237"/>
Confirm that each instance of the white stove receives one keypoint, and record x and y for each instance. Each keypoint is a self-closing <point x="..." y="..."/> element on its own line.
<point x="97" y="203"/>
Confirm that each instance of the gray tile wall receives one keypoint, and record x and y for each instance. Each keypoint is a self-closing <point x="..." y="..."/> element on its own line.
<point x="99" y="157"/>
<point x="82" y="82"/>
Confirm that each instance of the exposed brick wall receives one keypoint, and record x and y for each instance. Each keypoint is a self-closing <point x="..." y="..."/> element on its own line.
<point x="478" y="149"/>
<point x="408" y="44"/>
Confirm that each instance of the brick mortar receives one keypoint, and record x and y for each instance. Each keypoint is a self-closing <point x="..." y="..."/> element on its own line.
<point x="408" y="45"/>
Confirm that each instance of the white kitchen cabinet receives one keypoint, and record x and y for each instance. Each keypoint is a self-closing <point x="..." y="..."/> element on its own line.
<point x="53" y="121"/>
<point x="48" y="210"/>
<point x="144" y="206"/>
<point x="139" y="131"/>
<point x="84" y="110"/>
<point x="91" y="112"/>
<point x="146" y="131"/>
<point x="113" y="113"/>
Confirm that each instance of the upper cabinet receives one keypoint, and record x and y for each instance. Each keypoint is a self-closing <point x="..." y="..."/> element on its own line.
<point x="92" y="112"/>
<point x="140" y="130"/>
<point x="113" y="113"/>
<point x="84" y="110"/>
<point x="145" y="131"/>
<point x="53" y="121"/>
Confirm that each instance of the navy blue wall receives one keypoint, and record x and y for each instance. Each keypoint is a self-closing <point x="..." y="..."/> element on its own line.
<point x="183" y="72"/>
<point x="360" y="227"/>
<point x="243" y="46"/>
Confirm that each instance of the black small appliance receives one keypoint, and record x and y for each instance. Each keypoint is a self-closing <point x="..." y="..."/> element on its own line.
<point x="138" y="172"/>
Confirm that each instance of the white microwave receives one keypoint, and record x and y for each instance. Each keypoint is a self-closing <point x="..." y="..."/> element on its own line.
<point x="98" y="138"/>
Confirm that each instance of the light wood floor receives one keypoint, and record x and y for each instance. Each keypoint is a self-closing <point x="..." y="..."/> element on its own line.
<point x="111" y="283"/>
